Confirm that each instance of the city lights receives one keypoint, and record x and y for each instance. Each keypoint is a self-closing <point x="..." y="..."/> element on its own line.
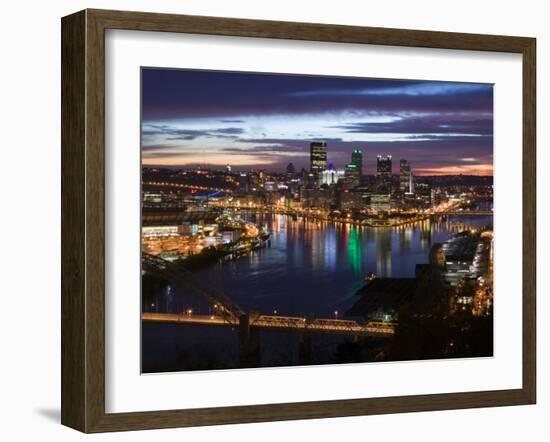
<point x="331" y="221"/>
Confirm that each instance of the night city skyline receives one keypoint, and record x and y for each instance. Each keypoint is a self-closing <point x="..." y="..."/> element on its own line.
<point x="299" y="220"/>
<point x="254" y="121"/>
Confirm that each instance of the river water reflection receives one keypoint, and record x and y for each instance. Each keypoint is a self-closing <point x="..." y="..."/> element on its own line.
<point x="315" y="267"/>
<point x="311" y="268"/>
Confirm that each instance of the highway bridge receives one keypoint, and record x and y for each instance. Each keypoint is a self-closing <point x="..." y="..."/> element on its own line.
<point x="276" y="322"/>
<point x="190" y="186"/>
<point x="249" y="325"/>
<point x="224" y="306"/>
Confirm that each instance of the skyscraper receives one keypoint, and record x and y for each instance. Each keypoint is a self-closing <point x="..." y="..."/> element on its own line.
<point x="351" y="175"/>
<point x="405" y="177"/>
<point x="244" y="183"/>
<point x="357" y="159"/>
<point x="318" y="157"/>
<point x="329" y="176"/>
<point x="290" y="171"/>
<point x="354" y="170"/>
<point x="383" y="173"/>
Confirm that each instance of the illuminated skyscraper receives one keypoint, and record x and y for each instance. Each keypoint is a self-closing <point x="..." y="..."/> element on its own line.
<point x="354" y="170"/>
<point x="244" y="183"/>
<point x="290" y="171"/>
<point x="357" y="159"/>
<point x="352" y="175"/>
<point x="318" y="157"/>
<point x="329" y="176"/>
<point x="405" y="177"/>
<point x="383" y="173"/>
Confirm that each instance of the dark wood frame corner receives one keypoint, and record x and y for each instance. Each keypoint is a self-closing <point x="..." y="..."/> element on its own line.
<point x="83" y="217"/>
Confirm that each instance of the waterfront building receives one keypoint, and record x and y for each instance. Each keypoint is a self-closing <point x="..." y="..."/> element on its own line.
<point x="229" y="236"/>
<point x="460" y="251"/>
<point x="351" y="200"/>
<point x="318" y="157"/>
<point x="159" y="231"/>
<point x="380" y="202"/>
<point x="316" y="198"/>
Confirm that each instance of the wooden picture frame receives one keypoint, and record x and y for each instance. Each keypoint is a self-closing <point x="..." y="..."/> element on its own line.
<point x="83" y="219"/>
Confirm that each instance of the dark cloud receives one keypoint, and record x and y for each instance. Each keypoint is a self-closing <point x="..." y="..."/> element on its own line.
<point x="283" y="148"/>
<point x="427" y="124"/>
<point x="227" y="130"/>
<point x="172" y="133"/>
<point x="223" y="95"/>
<point x="442" y="123"/>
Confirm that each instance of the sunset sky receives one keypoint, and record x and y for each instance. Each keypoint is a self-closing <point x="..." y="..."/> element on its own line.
<point x="252" y="121"/>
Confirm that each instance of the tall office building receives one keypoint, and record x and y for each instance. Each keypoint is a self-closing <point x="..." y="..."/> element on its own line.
<point x="351" y="176"/>
<point x="424" y="193"/>
<point x="318" y="157"/>
<point x="354" y="170"/>
<point x="244" y="183"/>
<point x="357" y="159"/>
<point x="405" y="177"/>
<point x="290" y="171"/>
<point x="383" y="173"/>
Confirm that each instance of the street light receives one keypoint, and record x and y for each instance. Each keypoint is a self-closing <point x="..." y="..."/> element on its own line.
<point x="336" y="314"/>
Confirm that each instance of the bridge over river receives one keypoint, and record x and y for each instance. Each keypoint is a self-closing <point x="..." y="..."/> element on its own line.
<point x="277" y="322"/>
<point x="249" y="325"/>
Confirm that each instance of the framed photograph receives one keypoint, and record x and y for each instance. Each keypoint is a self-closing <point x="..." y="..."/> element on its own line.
<point x="269" y="220"/>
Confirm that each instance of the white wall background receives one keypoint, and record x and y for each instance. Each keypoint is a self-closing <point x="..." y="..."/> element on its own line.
<point x="30" y="216"/>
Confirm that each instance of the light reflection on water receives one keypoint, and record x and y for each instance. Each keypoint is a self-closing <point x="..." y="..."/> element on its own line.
<point x="316" y="267"/>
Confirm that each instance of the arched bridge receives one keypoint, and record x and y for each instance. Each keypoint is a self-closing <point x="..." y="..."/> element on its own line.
<point x="224" y="306"/>
<point x="229" y="313"/>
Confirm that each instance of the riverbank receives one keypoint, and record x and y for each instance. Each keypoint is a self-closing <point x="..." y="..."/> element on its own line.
<point x="376" y="222"/>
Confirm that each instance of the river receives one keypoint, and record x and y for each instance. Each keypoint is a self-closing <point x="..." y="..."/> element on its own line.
<point x="311" y="268"/>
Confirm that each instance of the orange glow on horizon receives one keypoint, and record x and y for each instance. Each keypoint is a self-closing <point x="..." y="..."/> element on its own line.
<point x="211" y="160"/>
<point x="470" y="169"/>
